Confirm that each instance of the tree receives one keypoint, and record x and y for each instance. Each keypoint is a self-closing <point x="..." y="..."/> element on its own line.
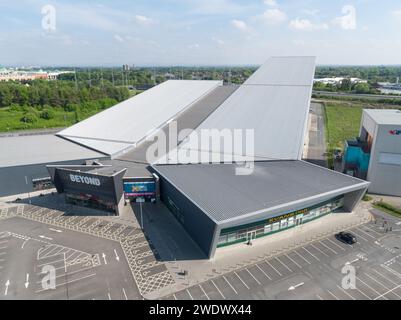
<point x="5" y="96"/>
<point x="362" y="88"/>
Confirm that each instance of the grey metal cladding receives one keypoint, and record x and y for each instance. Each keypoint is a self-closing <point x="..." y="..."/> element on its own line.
<point x="106" y="188"/>
<point x="220" y="193"/>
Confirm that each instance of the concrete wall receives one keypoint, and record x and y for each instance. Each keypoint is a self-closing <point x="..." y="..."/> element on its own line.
<point x="385" y="178"/>
<point x="199" y="226"/>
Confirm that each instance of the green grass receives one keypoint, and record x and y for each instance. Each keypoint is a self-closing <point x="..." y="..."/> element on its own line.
<point x="388" y="208"/>
<point x="342" y="123"/>
<point x="10" y="120"/>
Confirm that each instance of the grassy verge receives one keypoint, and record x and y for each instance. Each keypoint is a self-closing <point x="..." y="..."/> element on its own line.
<point x="342" y="122"/>
<point x="388" y="208"/>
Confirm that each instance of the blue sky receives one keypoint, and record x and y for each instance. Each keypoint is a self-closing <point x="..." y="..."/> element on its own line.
<point x="199" y="32"/>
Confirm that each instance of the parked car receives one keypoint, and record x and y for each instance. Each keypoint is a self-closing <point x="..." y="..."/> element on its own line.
<point x="346" y="237"/>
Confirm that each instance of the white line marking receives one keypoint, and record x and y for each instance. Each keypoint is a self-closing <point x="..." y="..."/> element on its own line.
<point x="55" y="230"/>
<point x="271" y="266"/>
<point x="322" y="252"/>
<point x="71" y="281"/>
<point x="332" y="294"/>
<point x="104" y="258"/>
<point x="296" y="263"/>
<point x="358" y="235"/>
<point x="292" y="288"/>
<point x="117" y="257"/>
<point x="218" y="289"/>
<point x="190" y="294"/>
<point x="44" y="237"/>
<point x="384" y="277"/>
<point x="331" y="249"/>
<point x="175" y="298"/>
<point x="389" y="291"/>
<point x="311" y="253"/>
<point x="342" y="248"/>
<point x="230" y="285"/>
<point x="108" y="294"/>
<point x="284" y="265"/>
<point x="27" y="281"/>
<point x="7" y="285"/>
<point x="369" y="235"/>
<point x="253" y="276"/>
<point x="204" y="292"/>
<point x="381" y="284"/>
<point x="295" y="251"/>
<point x="267" y="276"/>
<point x="349" y="295"/>
<point x="379" y="234"/>
<point x="375" y="291"/>
<point x="319" y="297"/>
<point x="241" y="280"/>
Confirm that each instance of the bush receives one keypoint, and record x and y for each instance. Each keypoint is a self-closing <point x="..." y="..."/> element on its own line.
<point x="47" y="114"/>
<point x="29" y="118"/>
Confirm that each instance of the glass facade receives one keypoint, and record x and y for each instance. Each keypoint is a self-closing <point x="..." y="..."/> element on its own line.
<point x="90" y="202"/>
<point x="263" y="228"/>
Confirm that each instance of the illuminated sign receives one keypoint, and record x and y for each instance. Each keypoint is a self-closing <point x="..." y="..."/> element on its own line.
<point x="85" y="180"/>
<point x="395" y="132"/>
<point x="139" y="188"/>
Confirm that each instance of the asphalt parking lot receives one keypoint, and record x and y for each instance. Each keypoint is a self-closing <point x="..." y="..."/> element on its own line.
<point x="314" y="271"/>
<point x="94" y="258"/>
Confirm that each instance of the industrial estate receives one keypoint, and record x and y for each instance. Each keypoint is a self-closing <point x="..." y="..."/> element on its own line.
<point x="205" y="220"/>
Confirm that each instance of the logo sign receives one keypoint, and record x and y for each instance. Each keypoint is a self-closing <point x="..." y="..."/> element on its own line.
<point x="85" y="180"/>
<point x="395" y="132"/>
<point x="139" y="188"/>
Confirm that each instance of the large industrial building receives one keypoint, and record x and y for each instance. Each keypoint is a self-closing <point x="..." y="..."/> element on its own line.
<point x="215" y="205"/>
<point x="376" y="154"/>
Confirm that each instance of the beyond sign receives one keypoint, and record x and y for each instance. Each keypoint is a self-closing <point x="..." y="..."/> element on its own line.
<point x="85" y="180"/>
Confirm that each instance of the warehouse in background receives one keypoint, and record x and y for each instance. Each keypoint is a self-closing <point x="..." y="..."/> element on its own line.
<point x="376" y="154"/>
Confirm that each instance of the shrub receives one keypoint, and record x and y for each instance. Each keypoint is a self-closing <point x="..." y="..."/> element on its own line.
<point x="47" y="114"/>
<point x="29" y="117"/>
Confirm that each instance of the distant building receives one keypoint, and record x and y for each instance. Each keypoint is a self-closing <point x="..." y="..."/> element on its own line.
<point x="376" y="154"/>
<point x="338" y="80"/>
<point x="15" y="75"/>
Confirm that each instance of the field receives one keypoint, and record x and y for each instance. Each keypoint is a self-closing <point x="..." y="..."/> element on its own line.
<point x="10" y="120"/>
<point x="343" y="122"/>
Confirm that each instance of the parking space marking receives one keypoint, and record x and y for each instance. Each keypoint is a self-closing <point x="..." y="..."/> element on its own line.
<point x="218" y="289"/>
<point x="307" y="261"/>
<point x="363" y="293"/>
<point x="345" y="291"/>
<point x="384" y="277"/>
<point x="368" y="286"/>
<point x="175" y="298"/>
<point x="371" y="229"/>
<point x="284" y="265"/>
<point x="204" y="292"/>
<point x="68" y="282"/>
<point x="363" y="238"/>
<point x="380" y="283"/>
<point x="250" y="273"/>
<point x="296" y="263"/>
<point x="319" y="297"/>
<point x="271" y="266"/>
<point x="332" y="294"/>
<point x="230" y="285"/>
<point x="311" y="253"/>
<point x="190" y="295"/>
<point x="389" y="291"/>
<point x="321" y="251"/>
<point x="336" y="244"/>
<point x="267" y="276"/>
<point x="241" y="280"/>
<point x="331" y="249"/>
<point x="369" y="235"/>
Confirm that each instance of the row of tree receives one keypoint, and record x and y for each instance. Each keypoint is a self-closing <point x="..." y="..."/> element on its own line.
<point x="56" y="93"/>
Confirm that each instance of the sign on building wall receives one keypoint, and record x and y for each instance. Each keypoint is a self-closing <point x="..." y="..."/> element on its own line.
<point x="136" y="189"/>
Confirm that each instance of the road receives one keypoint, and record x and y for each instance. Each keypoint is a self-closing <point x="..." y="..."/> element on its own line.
<point x="356" y="96"/>
<point x="317" y="143"/>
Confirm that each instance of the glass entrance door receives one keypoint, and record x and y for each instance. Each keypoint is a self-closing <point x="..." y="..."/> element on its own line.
<point x="251" y="235"/>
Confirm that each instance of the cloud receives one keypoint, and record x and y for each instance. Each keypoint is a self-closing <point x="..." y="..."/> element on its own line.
<point x="348" y="20"/>
<point x="270" y="3"/>
<point x="306" y="25"/>
<point x="310" y="12"/>
<point x="218" y="41"/>
<point x="144" y="21"/>
<point x="397" y="14"/>
<point x="118" y="38"/>
<point x="193" y="46"/>
<point x="274" y="16"/>
<point x="240" y="25"/>
<point x="215" y="7"/>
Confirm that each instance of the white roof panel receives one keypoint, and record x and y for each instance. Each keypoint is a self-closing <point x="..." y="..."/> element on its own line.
<point x="274" y="102"/>
<point x="385" y="117"/>
<point x="132" y="120"/>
